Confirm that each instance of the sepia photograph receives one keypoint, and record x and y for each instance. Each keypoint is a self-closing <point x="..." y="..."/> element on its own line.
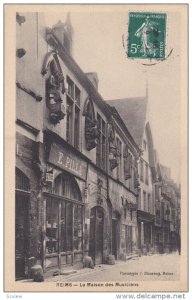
<point x="96" y="147"/>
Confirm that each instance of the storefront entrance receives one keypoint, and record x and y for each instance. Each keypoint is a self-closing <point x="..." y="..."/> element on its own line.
<point x="21" y="224"/>
<point x="64" y="224"/>
<point x="96" y="234"/>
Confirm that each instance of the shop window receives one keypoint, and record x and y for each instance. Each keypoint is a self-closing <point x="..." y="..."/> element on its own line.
<point x="77" y="238"/>
<point x="52" y="221"/>
<point x="73" y="113"/>
<point x="69" y="222"/>
<point x="69" y="226"/>
<point x="101" y="143"/>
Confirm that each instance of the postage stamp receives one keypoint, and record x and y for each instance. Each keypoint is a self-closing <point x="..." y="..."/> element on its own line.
<point x="146" y="35"/>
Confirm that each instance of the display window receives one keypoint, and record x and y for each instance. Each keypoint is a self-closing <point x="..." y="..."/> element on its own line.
<point x="64" y="218"/>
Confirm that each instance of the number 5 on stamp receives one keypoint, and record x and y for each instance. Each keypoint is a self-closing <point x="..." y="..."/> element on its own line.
<point x="146" y="35"/>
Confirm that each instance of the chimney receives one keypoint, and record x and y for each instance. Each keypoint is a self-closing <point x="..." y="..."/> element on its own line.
<point x="93" y="78"/>
<point x="64" y="34"/>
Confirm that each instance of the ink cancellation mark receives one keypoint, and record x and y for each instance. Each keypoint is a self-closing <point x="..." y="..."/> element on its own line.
<point x="146" y="35"/>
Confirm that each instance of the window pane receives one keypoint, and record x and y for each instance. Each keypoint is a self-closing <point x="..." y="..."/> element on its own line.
<point x="103" y="152"/>
<point x="77" y="95"/>
<point x="103" y="127"/>
<point x="98" y="150"/>
<point x="69" y="225"/>
<point x="76" y="129"/>
<point x="69" y="121"/>
<point x="70" y="87"/>
<point x="51" y="226"/>
<point x="63" y="227"/>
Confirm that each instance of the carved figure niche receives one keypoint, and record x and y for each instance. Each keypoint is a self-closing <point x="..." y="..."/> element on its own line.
<point x="91" y="131"/>
<point x="127" y="163"/>
<point x="54" y="87"/>
<point x="136" y="175"/>
<point x="112" y="149"/>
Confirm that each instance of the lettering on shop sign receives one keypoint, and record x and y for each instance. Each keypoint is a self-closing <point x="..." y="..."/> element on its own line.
<point x="66" y="160"/>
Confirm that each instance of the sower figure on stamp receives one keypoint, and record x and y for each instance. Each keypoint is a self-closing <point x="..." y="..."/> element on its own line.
<point x="144" y="32"/>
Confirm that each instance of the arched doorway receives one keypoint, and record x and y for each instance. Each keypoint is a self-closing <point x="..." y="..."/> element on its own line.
<point x="21" y="223"/>
<point x="64" y="224"/>
<point x="96" y="234"/>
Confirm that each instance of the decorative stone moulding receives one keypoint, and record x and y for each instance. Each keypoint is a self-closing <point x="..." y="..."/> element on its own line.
<point x="57" y="112"/>
<point x="91" y="131"/>
<point x="113" y="152"/>
<point x="91" y="134"/>
<point x="127" y="163"/>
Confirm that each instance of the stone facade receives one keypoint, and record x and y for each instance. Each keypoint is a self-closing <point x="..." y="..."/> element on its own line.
<point x="76" y="162"/>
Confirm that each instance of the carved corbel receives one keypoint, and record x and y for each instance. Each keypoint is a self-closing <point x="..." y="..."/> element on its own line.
<point x="113" y="153"/>
<point x="54" y="87"/>
<point x="127" y="163"/>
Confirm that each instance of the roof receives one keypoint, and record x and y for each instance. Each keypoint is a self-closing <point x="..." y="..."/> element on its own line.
<point x="133" y="113"/>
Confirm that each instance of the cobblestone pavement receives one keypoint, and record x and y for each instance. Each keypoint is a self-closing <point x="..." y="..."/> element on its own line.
<point x="153" y="267"/>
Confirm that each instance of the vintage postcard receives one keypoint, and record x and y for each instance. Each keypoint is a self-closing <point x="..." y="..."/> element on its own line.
<point x="96" y="148"/>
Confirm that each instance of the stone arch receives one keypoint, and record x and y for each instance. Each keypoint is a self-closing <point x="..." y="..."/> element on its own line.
<point x="67" y="186"/>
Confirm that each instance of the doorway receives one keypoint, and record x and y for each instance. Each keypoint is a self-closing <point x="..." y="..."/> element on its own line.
<point x="21" y="223"/>
<point x="115" y="233"/>
<point x="21" y="235"/>
<point x="96" y="234"/>
<point x="128" y="238"/>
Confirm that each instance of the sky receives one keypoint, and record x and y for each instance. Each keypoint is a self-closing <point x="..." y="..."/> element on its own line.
<point x="100" y="46"/>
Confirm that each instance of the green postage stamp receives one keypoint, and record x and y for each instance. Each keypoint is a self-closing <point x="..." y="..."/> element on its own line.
<point x="146" y="35"/>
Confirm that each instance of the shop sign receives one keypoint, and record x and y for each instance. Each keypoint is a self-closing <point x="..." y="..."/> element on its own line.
<point x="49" y="177"/>
<point x="64" y="159"/>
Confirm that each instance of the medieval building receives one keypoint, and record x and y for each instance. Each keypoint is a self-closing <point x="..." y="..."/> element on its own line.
<point x="76" y="162"/>
<point x="84" y="171"/>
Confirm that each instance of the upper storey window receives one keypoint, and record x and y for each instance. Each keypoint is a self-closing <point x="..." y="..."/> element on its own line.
<point x="119" y="155"/>
<point x="73" y="113"/>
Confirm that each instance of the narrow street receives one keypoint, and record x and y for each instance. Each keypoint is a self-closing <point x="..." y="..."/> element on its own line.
<point x="146" y="268"/>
